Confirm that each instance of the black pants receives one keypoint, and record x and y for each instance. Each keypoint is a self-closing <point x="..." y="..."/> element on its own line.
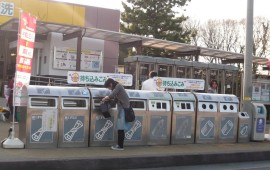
<point x="121" y="138"/>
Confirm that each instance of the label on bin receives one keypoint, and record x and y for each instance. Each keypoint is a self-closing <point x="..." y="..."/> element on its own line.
<point x="104" y="129"/>
<point x="207" y="127"/>
<point x="49" y="120"/>
<point x="37" y="134"/>
<point x="158" y="127"/>
<point x="73" y="129"/>
<point x="243" y="130"/>
<point x="260" y="125"/>
<point x="227" y="127"/>
<point x="134" y="133"/>
<point x="183" y="127"/>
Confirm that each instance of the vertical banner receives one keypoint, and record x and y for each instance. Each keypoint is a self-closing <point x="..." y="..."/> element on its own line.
<point x="25" y="50"/>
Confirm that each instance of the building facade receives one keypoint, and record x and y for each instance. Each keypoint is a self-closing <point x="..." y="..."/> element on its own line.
<point x="50" y="46"/>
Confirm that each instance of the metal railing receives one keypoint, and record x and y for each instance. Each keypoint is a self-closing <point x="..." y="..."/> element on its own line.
<point x="48" y="81"/>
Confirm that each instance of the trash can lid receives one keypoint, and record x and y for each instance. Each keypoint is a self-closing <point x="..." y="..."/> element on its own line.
<point x="228" y="98"/>
<point x="183" y="96"/>
<point x="99" y="92"/>
<point x="159" y="95"/>
<point x="207" y="97"/>
<point x="75" y="92"/>
<point x="137" y="94"/>
<point x="43" y="90"/>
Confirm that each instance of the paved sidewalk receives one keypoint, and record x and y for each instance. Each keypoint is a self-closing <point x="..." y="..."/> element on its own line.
<point x="131" y="157"/>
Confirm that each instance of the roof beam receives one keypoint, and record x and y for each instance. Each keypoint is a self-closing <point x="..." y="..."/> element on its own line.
<point x="131" y="44"/>
<point x="75" y="34"/>
<point x="232" y="61"/>
<point x="78" y="35"/>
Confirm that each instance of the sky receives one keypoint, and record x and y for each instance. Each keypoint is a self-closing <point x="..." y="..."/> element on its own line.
<point x="199" y="9"/>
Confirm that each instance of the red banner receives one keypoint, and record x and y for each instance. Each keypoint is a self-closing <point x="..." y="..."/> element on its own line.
<point x="26" y="42"/>
<point x="25" y="51"/>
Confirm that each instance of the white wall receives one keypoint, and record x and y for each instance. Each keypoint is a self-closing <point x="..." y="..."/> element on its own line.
<point x="55" y="40"/>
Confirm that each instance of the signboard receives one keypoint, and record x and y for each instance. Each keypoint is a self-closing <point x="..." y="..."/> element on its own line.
<point x="37" y="133"/>
<point x="260" y="125"/>
<point x="207" y="128"/>
<point x="134" y="133"/>
<point x="158" y="127"/>
<point x="256" y="91"/>
<point x="75" y="77"/>
<point x="104" y="129"/>
<point x="25" y="50"/>
<point x="227" y="127"/>
<point x="73" y="129"/>
<point x="65" y="59"/>
<point x="261" y="91"/>
<point x="179" y="83"/>
<point x="183" y="127"/>
<point x="7" y="8"/>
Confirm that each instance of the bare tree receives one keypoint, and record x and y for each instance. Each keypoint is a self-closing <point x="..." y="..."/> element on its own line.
<point x="194" y="27"/>
<point x="261" y="35"/>
<point x="230" y="30"/>
<point x="216" y="34"/>
<point x="211" y="34"/>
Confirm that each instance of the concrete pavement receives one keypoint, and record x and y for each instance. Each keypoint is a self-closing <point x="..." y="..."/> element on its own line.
<point x="131" y="157"/>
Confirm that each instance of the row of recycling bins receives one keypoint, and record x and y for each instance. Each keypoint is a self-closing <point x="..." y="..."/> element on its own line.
<point x="70" y="117"/>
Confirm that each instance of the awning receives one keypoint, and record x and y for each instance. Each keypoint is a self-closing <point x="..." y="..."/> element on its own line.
<point x="43" y="28"/>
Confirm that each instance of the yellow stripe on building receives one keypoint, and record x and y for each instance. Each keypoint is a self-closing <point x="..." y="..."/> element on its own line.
<point x="55" y="12"/>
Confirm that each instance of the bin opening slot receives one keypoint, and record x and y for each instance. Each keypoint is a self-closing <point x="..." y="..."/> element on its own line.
<point x="183" y="106"/>
<point x="43" y="102"/>
<point x="161" y="105"/>
<point x="188" y="106"/>
<point x="97" y="102"/>
<point x="158" y="105"/>
<point x="135" y="104"/>
<point x="74" y="103"/>
<point x="164" y="106"/>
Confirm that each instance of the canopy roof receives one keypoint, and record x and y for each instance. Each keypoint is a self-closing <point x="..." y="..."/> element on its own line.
<point x="43" y="28"/>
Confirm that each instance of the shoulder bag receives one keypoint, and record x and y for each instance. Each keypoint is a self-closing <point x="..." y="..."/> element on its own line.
<point x="129" y="113"/>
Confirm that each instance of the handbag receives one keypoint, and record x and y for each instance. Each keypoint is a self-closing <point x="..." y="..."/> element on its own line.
<point x="104" y="108"/>
<point x="129" y="114"/>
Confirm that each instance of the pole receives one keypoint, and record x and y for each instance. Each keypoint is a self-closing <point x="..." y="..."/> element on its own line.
<point x="247" y="86"/>
<point x="247" y="80"/>
<point x="79" y="51"/>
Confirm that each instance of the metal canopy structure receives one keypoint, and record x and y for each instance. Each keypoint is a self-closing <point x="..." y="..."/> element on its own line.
<point x="129" y="40"/>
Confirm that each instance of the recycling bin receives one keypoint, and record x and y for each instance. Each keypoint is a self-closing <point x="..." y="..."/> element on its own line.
<point x="74" y="117"/>
<point x="244" y="127"/>
<point x="183" y="118"/>
<point x="227" y="118"/>
<point x="101" y="128"/>
<point x="207" y="118"/>
<point x="258" y="122"/>
<point x="159" y="118"/>
<point x="38" y="126"/>
<point x="136" y="134"/>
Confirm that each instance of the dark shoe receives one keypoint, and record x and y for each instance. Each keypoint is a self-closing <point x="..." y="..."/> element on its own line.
<point x="117" y="148"/>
